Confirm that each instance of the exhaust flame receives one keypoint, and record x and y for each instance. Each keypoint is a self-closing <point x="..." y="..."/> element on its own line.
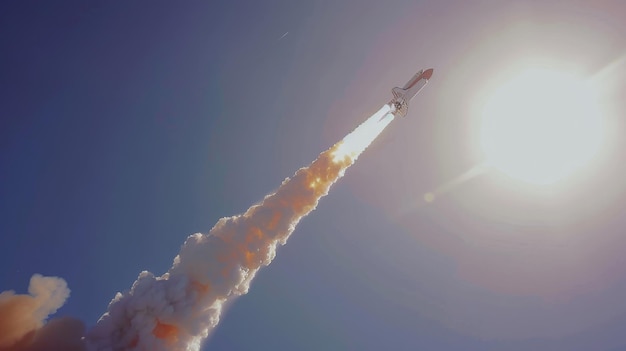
<point x="354" y="143"/>
<point x="177" y="310"/>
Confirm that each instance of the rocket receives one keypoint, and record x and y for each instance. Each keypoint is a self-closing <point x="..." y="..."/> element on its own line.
<point x="401" y="96"/>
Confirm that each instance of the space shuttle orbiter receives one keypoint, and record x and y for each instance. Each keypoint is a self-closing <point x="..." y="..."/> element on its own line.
<point x="401" y="96"/>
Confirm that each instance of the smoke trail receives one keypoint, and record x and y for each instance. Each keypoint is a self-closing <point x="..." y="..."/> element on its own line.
<point x="177" y="310"/>
<point x="22" y="318"/>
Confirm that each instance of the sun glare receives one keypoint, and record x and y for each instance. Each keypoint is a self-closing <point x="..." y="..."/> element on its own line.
<point x="541" y="126"/>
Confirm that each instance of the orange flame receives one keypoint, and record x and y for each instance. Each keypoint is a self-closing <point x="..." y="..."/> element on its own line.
<point x="134" y="342"/>
<point x="166" y="332"/>
<point x="201" y="288"/>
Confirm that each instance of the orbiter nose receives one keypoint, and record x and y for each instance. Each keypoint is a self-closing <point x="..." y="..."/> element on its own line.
<point x="427" y="74"/>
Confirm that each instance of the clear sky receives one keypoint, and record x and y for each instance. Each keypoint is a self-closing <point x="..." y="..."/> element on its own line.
<point x="127" y="126"/>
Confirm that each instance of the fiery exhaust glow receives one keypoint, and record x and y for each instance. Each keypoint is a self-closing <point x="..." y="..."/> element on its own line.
<point x="354" y="143"/>
<point x="177" y="310"/>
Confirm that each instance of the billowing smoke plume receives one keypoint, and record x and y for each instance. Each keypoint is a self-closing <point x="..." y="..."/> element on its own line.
<point x="177" y="310"/>
<point x="22" y="318"/>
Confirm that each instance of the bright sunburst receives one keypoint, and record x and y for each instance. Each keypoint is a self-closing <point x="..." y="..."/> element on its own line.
<point x="541" y="126"/>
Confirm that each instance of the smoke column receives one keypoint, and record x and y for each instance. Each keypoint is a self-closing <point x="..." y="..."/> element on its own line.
<point x="178" y="310"/>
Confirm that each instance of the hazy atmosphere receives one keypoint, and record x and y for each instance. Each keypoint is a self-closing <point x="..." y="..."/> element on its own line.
<point x="491" y="217"/>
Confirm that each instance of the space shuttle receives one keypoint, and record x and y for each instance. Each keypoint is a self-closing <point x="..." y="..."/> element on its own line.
<point x="401" y="96"/>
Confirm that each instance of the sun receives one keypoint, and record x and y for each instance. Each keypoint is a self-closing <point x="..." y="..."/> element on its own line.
<point x="541" y="126"/>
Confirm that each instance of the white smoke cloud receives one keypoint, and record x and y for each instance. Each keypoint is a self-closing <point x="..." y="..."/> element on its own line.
<point x="178" y="310"/>
<point x="22" y="318"/>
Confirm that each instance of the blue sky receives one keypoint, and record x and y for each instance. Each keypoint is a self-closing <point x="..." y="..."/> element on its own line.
<point x="127" y="126"/>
